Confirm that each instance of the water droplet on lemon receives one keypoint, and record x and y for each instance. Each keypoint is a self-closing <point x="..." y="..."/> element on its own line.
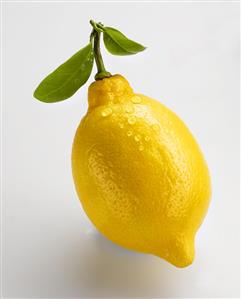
<point x="136" y="100"/>
<point x="147" y="138"/>
<point x="106" y="112"/>
<point x="129" y="133"/>
<point x="137" y="137"/>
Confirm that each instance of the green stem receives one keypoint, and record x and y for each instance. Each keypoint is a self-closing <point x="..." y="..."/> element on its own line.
<point x="101" y="71"/>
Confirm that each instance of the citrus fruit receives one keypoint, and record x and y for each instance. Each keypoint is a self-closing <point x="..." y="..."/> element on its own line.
<point x="139" y="173"/>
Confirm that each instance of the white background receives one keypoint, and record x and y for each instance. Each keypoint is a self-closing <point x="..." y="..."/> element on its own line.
<point x="50" y="248"/>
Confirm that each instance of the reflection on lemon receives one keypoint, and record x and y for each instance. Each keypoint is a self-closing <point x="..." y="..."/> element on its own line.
<point x="139" y="173"/>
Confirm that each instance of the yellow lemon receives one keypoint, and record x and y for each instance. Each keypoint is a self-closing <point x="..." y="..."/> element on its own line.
<point x="139" y="173"/>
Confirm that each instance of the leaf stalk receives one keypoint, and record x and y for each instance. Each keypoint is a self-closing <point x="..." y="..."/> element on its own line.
<point x="95" y="35"/>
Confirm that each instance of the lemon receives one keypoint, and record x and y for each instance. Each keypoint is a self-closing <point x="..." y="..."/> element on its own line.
<point x="139" y="173"/>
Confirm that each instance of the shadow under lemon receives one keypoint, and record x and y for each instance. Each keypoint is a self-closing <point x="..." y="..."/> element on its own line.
<point x="99" y="268"/>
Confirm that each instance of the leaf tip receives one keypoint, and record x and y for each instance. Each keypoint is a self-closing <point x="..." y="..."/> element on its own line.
<point x="38" y="97"/>
<point x="35" y="94"/>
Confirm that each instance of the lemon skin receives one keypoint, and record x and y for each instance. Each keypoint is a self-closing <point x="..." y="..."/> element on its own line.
<point x="139" y="173"/>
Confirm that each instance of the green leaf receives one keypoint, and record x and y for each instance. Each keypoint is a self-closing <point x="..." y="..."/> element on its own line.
<point x="118" y="44"/>
<point x="67" y="78"/>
